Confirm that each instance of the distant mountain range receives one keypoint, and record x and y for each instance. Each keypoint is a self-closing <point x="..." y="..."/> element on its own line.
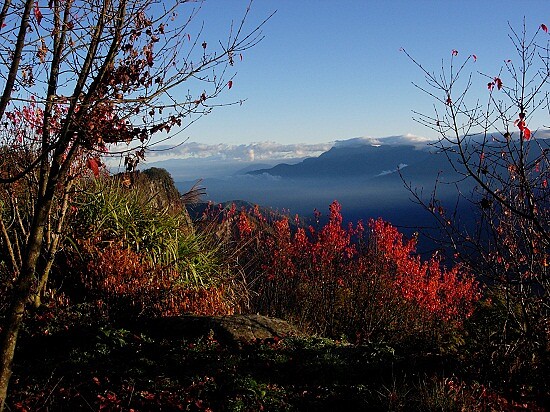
<point x="366" y="161"/>
<point x="369" y="180"/>
<point x="362" y="176"/>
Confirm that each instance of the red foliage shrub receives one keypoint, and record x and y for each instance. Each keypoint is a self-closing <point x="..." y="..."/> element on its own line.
<point x="447" y="295"/>
<point x="365" y="283"/>
<point x="333" y="281"/>
<point x="121" y="277"/>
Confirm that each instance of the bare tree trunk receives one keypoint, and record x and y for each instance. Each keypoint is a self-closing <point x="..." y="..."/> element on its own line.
<point x="89" y="62"/>
<point x="26" y="276"/>
<point x="22" y="294"/>
<point x="53" y="247"/>
<point x="9" y="246"/>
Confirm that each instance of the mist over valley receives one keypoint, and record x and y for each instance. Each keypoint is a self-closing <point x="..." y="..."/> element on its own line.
<point x="367" y="177"/>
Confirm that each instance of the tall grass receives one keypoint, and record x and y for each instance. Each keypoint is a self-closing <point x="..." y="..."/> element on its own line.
<point x="130" y="248"/>
<point x="106" y="211"/>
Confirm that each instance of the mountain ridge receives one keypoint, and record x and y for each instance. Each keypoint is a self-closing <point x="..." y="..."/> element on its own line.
<point x="357" y="161"/>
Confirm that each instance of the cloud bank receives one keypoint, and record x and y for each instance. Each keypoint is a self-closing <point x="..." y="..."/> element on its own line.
<point x="251" y="152"/>
<point x="267" y="151"/>
<point x="192" y="159"/>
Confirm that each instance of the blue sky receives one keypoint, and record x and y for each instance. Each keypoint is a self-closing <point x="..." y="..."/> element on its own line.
<point x="333" y="70"/>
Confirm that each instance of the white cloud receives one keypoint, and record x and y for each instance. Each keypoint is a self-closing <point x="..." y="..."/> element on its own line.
<point x="266" y="151"/>
<point x="251" y="152"/>
<point x="262" y="151"/>
<point x="388" y="172"/>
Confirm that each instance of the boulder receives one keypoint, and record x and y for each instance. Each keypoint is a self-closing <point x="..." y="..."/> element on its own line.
<point x="251" y="328"/>
<point x="233" y="330"/>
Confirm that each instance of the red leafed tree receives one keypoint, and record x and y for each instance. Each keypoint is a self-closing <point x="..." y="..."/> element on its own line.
<point x="494" y="143"/>
<point x="79" y="77"/>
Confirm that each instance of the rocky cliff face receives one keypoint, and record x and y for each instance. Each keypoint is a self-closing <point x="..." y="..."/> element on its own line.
<point x="159" y="185"/>
<point x="160" y="189"/>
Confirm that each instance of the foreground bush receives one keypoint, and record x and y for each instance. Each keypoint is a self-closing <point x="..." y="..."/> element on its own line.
<point x="129" y="283"/>
<point x="141" y="259"/>
<point x="363" y="283"/>
<point x="109" y="368"/>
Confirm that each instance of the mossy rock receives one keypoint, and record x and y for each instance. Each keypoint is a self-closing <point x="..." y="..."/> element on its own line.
<point x="233" y="330"/>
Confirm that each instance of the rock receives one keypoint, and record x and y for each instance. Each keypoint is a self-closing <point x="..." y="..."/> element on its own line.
<point x="233" y="330"/>
<point x="238" y="329"/>
<point x="160" y="190"/>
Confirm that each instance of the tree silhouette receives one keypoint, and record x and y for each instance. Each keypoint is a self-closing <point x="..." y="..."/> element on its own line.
<point x="81" y="77"/>
<point x="495" y="145"/>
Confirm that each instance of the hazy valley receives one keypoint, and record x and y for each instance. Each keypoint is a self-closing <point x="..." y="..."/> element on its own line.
<point x="369" y="180"/>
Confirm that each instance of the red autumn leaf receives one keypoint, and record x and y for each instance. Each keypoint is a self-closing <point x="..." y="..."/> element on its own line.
<point x="474" y="57"/>
<point x="241" y="56"/>
<point x="230" y="84"/>
<point x="37" y="13"/>
<point x="454" y="52"/>
<point x="149" y="57"/>
<point x="490" y="85"/>
<point x="498" y="82"/>
<point x="544" y="28"/>
<point x="92" y="164"/>
<point x="3" y="25"/>
<point x="188" y="37"/>
<point x="545" y="183"/>
<point x="448" y="101"/>
<point x="520" y="123"/>
<point x="204" y="45"/>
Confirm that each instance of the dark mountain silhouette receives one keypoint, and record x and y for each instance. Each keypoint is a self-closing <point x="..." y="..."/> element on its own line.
<point x="353" y="161"/>
<point x="366" y="161"/>
<point x="252" y="168"/>
<point x="364" y="179"/>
